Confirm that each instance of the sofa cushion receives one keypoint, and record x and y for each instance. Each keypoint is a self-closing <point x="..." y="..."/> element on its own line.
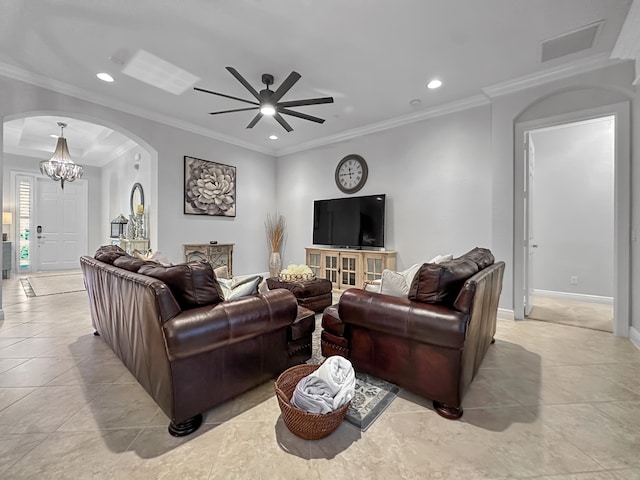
<point x="128" y="262"/>
<point x="480" y="256"/>
<point x="108" y="253"/>
<point x="193" y="284"/>
<point x="440" y="283"/>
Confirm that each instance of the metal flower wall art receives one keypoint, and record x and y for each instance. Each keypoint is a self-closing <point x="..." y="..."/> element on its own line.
<point x="209" y="188"/>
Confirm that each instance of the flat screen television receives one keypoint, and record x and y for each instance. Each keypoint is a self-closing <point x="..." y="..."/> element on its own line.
<point x="356" y="222"/>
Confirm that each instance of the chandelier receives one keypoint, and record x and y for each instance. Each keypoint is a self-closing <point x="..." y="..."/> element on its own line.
<point x="61" y="167"/>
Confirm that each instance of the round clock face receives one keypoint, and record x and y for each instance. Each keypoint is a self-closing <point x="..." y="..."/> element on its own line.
<point x="351" y="173"/>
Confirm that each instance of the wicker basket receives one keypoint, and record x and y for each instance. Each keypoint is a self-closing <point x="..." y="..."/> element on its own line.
<point x="309" y="426"/>
<point x="296" y="277"/>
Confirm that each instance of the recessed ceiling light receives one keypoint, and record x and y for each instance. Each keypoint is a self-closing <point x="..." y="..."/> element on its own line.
<point x="434" y="84"/>
<point x="273" y="137"/>
<point x="415" y="102"/>
<point x="53" y="135"/>
<point x="105" y="77"/>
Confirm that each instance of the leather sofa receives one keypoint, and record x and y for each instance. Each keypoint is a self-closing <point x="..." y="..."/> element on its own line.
<point x="188" y="348"/>
<point x="431" y="342"/>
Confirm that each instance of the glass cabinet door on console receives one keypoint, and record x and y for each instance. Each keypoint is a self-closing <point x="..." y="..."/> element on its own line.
<point x="373" y="266"/>
<point x="349" y="270"/>
<point x="330" y="268"/>
<point x="314" y="262"/>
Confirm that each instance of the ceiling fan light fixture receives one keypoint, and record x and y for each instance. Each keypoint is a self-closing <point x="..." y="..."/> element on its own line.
<point x="268" y="109"/>
<point x="273" y="137"/>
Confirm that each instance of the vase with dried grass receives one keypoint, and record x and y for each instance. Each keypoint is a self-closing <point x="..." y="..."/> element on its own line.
<point x="275" y="226"/>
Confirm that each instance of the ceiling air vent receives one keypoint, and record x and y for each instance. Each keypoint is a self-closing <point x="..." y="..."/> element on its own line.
<point x="568" y="43"/>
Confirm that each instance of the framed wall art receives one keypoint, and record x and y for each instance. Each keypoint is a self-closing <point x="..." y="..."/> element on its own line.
<point x="209" y="188"/>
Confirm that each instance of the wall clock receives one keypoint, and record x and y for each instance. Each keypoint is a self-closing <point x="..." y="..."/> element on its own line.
<point x="351" y="173"/>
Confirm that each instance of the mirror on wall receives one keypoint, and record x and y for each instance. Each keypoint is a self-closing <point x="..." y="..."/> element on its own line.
<point x="136" y="200"/>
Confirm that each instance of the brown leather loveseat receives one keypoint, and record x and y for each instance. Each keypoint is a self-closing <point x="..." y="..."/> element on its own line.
<point x="431" y="343"/>
<point x="188" y="348"/>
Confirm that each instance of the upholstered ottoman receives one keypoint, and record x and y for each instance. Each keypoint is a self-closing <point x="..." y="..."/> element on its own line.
<point x="313" y="294"/>
<point x="300" y="336"/>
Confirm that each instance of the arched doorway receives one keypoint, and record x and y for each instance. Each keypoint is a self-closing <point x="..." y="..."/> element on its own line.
<point x="108" y="187"/>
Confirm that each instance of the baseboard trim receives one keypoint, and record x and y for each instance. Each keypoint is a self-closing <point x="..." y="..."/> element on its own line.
<point x="579" y="297"/>
<point x="505" y="314"/>
<point x="634" y="336"/>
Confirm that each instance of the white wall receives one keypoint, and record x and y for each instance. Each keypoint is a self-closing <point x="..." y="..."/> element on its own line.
<point x="30" y="165"/>
<point x="436" y="175"/>
<point x="255" y="175"/>
<point x="118" y="177"/>
<point x="573" y="208"/>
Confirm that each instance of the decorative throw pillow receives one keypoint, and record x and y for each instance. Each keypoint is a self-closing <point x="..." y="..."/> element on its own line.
<point x="108" y="253"/>
<point x="239" y="287"/>
<point x="160" y="258"/>
<point x="221" y="272"/>
<point x="440" y="283"/>
<point x="481" y="256"/>
<point x="441" y="258"/>
<point x="128" y="262"/>
<point x="193" y="284"/>
<point x="144" y="255"/>
<point x="397" y="283"/>
<point x="394" y="284"/>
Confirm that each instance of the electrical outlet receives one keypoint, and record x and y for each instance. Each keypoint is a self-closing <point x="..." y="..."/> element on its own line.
<point x="574" y="280"/>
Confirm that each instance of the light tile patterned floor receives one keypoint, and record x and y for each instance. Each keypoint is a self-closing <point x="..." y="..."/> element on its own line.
<point x="550" y="402"/>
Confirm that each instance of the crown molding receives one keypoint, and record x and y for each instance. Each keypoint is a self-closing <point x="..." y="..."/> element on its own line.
<point x="22" y="75"/>
<point x="560" y="72"/>
<point x="452" y="107"/>
<point x="627" y="45"/>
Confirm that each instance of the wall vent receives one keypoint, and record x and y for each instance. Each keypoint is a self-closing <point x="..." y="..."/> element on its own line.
<point x="575" y="41"/>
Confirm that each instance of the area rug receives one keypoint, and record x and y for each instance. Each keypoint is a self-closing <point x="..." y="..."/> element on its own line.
<point x="53" y="284"/>
<point x="373" y="395"/>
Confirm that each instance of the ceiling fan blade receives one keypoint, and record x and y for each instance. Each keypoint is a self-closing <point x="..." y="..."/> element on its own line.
<point x="234" y="110"/>
<point x="226" y="96"/>
<point x="285" y="86"/>
<point x="253" y="122"/>
<point x="308" y="101"/>
<point x="246" y="84"/>
<point x="301" y="115"/>
<point x="283" y="122"/>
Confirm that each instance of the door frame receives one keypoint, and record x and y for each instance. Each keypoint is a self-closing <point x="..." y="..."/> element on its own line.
<point x="622" y="207"/>
<point x="84" y="241"/>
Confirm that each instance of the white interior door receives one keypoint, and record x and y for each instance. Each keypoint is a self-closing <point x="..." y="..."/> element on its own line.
<point x="61" y="224"/>
<point x="529" y="241"/>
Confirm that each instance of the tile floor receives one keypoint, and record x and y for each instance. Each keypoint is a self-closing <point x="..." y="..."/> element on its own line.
<point x="550" y="402"/>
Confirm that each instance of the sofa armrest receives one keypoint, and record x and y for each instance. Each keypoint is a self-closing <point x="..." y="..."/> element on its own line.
<point x="422" y="322"/>
<point x="205" y="328"/>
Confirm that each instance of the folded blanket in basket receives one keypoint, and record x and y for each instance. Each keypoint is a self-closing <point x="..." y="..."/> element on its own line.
<point x="338" y="372"/>
<point x="312" y="394"/>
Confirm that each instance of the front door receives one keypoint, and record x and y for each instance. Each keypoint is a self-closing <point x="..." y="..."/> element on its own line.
<point x="61" y="224"/>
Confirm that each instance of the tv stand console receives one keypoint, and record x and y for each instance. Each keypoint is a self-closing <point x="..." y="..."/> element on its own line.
<point x="347" y="267"/>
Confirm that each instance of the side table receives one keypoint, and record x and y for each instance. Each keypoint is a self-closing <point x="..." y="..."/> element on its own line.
<point x="312" y="294"/>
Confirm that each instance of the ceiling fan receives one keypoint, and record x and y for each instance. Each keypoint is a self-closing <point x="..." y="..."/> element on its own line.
<point x="268" y="101"/>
